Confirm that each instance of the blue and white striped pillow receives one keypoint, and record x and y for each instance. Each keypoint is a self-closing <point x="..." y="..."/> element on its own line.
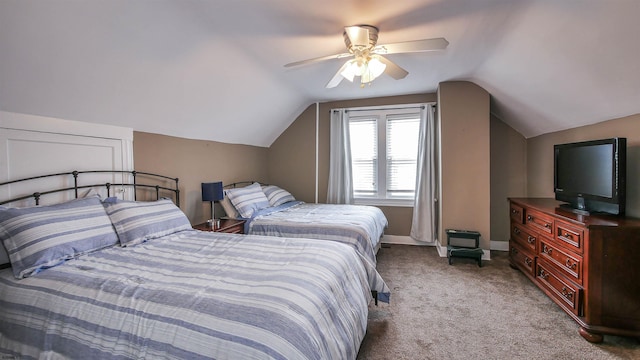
<point x="277" y="196"/>
<point x="37" y="238"/>
<point x="136" y="222"/>
<point x="248" y="199"/>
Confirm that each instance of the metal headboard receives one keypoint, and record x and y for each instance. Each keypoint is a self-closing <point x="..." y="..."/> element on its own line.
<point x="76" y="174"/>
<point x="159" y="183"/>
<point x="243" y="184"/>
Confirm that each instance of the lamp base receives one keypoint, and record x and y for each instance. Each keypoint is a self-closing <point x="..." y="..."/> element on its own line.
<point x="213" y="223"/>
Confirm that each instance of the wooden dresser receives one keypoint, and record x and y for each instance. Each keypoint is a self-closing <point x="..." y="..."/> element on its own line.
<point x="588" y="265"/>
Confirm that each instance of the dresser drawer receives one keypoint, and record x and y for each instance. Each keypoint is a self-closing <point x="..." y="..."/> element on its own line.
<point x="517" y="213"/>
<point x="569" y="265"/>
<point x="561" y="290"/>
<point x="570" y="236"/>
<point x="524" y="236"/>
<point x="522" y="258"/>
<point x="539" y="221"/>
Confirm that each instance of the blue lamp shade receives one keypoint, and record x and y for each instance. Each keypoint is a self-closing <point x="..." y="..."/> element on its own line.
<point x="212" y="191"/>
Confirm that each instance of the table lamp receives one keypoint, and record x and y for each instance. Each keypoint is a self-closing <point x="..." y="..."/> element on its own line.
<point x="212" y="192"/>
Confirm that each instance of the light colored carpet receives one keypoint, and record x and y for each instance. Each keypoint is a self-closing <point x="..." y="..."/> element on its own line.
<point x="461" y="311"/>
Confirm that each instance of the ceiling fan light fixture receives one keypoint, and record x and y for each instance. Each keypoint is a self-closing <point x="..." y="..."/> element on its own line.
<point x="376" y="67"/>
<point x="367" y="77"/>
<point x="367" y="69"/>
<point x="351" y="70"/>
<point x="369" y="63"/>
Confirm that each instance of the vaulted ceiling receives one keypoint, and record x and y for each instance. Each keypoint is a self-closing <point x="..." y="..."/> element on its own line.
<point x="213" y="69"/>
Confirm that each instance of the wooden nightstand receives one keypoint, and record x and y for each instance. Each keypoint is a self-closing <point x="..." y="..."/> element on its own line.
<point x="232" y="226"/>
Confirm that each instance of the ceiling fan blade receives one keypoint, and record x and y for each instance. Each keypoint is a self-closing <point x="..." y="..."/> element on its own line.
<point x="412" y="46"/>
<point x="358" y="35"/>
<point x="318" y="59"/>
<point x="337" y="78"/>
<point x="392" y="69"/>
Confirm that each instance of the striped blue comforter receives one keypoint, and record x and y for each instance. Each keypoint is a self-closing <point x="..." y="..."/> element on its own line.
<point x="194" y="295"/>
<point x="359" y="226"/>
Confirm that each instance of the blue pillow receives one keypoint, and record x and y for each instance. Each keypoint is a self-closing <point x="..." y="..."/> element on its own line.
<point x="40" y="237"/>
<point x="136" y="222"/>
<point x="248" y="199"/>
<point x="277" y="196"/>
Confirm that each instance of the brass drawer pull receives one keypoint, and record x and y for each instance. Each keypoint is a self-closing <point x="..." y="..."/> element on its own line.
<point x="547" y="225"/>
<point x="571" y="265"/>
<point x="531" y="239"/>
<point x="543" y="274"/>
<point x="568" y="236"/>
<point x="528" y="261"/>
<point x="516" y="231"/>
<point x="566" y="293"/>
<point x="529" y="218"/>
<point x="547" y="250"/>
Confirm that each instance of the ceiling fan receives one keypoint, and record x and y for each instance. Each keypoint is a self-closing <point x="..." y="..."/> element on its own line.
<point x="368" y="62"/>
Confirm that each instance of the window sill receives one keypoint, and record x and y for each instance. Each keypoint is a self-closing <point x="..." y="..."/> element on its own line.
<point x="384" y="202"/>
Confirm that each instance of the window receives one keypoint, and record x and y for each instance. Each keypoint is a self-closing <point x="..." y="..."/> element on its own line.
<point x="384" y="149"/>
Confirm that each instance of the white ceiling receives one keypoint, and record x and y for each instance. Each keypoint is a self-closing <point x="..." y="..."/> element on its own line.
<point x="213" y="69"/>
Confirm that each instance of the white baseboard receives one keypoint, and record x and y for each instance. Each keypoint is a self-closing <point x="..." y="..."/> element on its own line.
<point x="442" y="250"/>
<point x="500" y="245"/>
<point x="403" y="240"/>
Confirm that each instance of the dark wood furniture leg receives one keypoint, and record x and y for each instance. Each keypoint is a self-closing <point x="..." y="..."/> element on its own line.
<point x="589" y="336"/>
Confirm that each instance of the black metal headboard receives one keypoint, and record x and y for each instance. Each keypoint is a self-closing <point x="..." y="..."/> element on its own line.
<point x="239" y="184"/>
<point x="140" y="181"/>
<point x="135" y="184"/>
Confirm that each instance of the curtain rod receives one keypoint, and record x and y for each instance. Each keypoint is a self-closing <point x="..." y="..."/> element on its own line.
<point x="396" y="107"/>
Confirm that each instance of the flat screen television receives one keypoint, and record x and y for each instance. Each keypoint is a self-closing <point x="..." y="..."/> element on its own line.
<point x="590" y="176"/>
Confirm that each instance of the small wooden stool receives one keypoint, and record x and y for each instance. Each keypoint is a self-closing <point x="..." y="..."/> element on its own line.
<point x="464" y="251"/>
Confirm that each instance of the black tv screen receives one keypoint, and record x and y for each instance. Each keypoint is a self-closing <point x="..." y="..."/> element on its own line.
<point x="590" y="176"/>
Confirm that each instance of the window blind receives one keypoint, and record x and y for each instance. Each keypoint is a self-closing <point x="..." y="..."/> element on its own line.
<point x="364" y="155"/>
<point x="402" y="145"/>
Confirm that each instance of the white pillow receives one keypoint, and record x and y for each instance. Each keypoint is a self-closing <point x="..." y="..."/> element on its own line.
<point x="248" y="199"/>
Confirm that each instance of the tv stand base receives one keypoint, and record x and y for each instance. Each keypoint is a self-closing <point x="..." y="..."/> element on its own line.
<point x="568" y="207"/>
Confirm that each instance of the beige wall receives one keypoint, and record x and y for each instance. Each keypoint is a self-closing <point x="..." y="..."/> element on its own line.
<point x="290" y="162"/>
<point x="508" y="175"/>
<point x="291" y="159"/>
<point x="465" y="159"/>
<point x="195" y="162"/>
<point x="540" y="156"/>
<point x="292" y="155"/>
<point x="484" y="161"/>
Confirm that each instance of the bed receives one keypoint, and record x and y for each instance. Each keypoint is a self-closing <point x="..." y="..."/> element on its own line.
<point x="149" y="286"/>
<point x="278" y="213"/>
